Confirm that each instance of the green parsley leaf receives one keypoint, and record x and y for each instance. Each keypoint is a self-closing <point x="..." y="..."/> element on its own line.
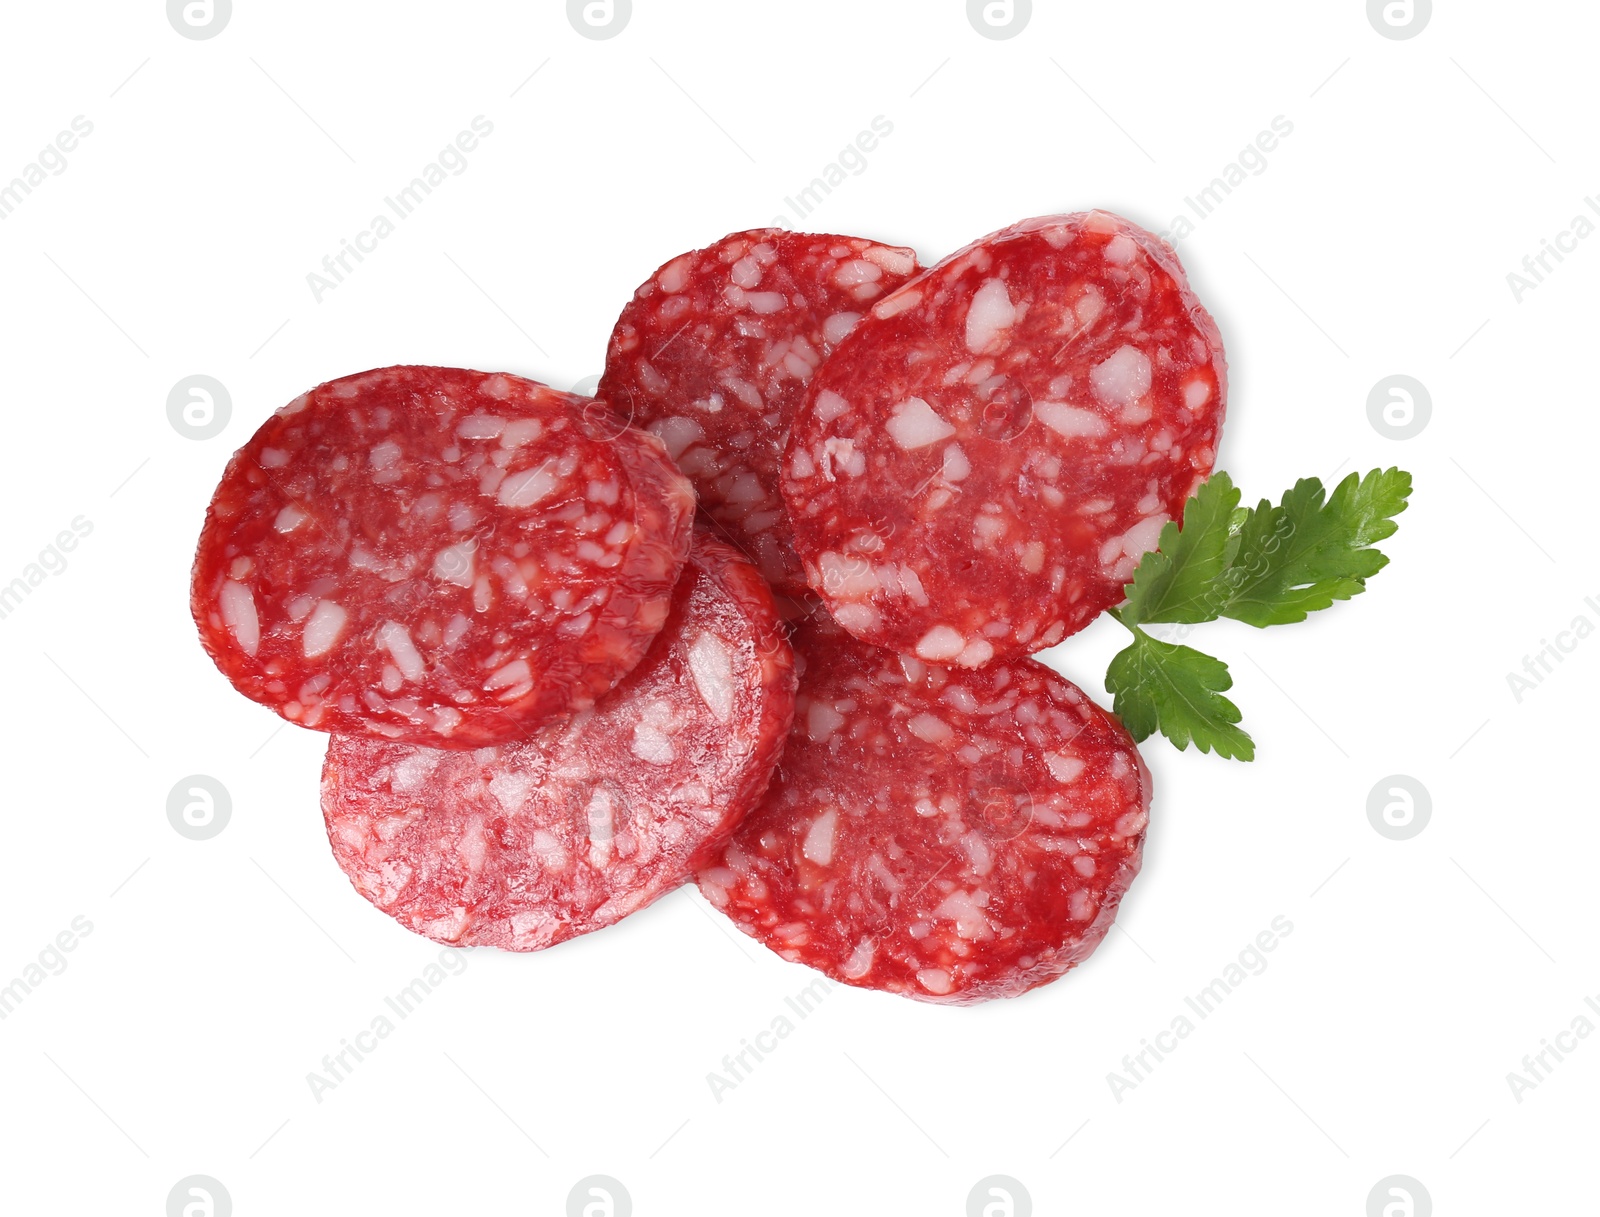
<point x="1311" y="550"/>
<point x="1178" y="691"/>
<point x="1264" y="566"/>
<point x="1175" y="581"/>
<point x="1267" y="565"/>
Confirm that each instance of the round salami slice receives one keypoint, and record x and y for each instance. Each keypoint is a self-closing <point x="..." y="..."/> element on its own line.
<point x="715" y="350"/>
<point x="947" y="835"/>
<point x="976" y="471"/>
<point x="438" y="556"/>
<point x="527" y="844"/>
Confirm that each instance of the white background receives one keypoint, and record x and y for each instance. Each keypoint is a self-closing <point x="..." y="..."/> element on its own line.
<point x="1378" y="240"/>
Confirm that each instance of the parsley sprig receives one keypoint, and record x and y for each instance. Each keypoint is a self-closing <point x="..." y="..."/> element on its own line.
<point x="1266" y="565"/>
